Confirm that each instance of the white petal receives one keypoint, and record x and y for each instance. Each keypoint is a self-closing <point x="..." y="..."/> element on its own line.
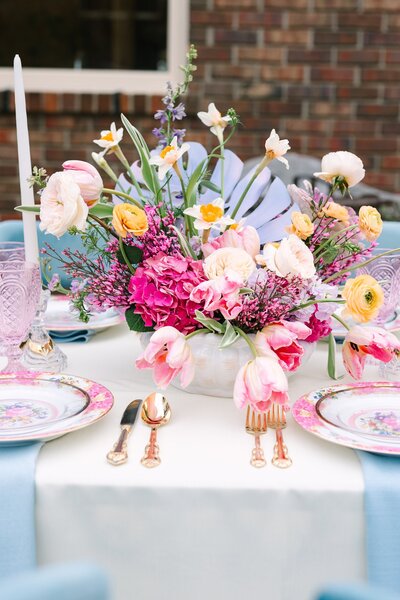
<point x="283" y="160"/>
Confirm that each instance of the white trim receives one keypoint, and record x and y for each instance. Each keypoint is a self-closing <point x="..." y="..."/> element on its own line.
<point x="98" y="81"/>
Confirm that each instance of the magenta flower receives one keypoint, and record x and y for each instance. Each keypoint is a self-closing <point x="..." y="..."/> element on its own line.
<point x="160" y="291"/>
<point x="363" y="341"/>
<point x="168" y="354"/>
<point x="259" y="383"/>
<point x="282" y="338"/>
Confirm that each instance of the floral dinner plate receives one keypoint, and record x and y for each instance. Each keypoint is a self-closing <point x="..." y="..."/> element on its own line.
<point x="43" y="406"/>
<point x="58" y="317"/>
<point x="363" y="415"/>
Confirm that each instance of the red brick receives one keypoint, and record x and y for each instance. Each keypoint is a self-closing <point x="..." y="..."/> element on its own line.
<point x="384" y="181"/>
<point x="233" y="4"/>
<point x="358" y="56"/>
<point x="355" y="93"/>
<point x="280" y="36"/>
<point x="260" y="20"/>
<point x="298" y="5"/>
<point x="306" y="57"/>
<point x="389" y="75"/>
<point x="391" y="163"/>
<point x="344" y="5"/>
<point x="292" y="73"/>
<point x="381" y="39"/>
<point x="267" y="55"/>
<point x="354" y="127"/>
<point x="327" y="38"/>
<point x="309" y="20"/>
<point x="381" y="5"/>
<point x="235" y="37"/>
<point x="375" y="143"/>
<point x="392" y="56"/>
<point x="374" y="110"/>
<point x="332" y="74"/>
<point x="207" y="17"/>
<point x="359" y="21"/>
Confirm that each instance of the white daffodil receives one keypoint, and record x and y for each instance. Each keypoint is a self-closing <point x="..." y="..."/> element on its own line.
<point x="343" y="165"/>
<point x="276" y="148"/>
<point x="213" y="119"/>
<point x="168" y="157"/>
<point x="110" y="138"/>
<point x="209" y="216"/>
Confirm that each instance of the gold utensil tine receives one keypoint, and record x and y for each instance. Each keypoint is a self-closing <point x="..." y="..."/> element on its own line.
<point x="277" y="421"/>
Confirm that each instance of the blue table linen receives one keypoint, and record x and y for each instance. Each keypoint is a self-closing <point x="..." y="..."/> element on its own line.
<point x="17" y="508"/>
<point x="382" y="518"/>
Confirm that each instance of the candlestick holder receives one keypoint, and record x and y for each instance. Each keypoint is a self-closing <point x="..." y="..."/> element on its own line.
<point x="40" y="353"/>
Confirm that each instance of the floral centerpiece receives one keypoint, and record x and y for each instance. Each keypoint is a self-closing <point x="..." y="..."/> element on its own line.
<point x="165" y="245"/>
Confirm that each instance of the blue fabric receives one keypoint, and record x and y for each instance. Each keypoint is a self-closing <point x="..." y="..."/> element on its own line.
<point x="77" y="581"/>
<point x="66" y="337"/>
<point x="390" y="236"/>
<point x="356" y="592"/>
<point x="17" y="508"/>
<point x="382" y="508"/>
<point x="12" y="231"/>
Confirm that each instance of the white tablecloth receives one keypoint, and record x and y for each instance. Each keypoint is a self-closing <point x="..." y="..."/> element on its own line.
<point x="205" y="525"/>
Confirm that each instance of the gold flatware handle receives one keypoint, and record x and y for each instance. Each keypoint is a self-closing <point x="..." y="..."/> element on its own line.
<point x="119" y="454"/>
<point x="257" y="455"/>
<point x="151" y="456"/>
<point x="281" y="457"/>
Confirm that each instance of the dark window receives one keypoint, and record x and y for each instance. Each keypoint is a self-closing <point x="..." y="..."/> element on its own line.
<point x="84" y="34"/>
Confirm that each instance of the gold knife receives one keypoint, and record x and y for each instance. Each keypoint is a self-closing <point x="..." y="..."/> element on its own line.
<point x="119" y="454"/>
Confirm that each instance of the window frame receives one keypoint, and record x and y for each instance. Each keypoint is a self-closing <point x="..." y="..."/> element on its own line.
<point x="109" y="81"/>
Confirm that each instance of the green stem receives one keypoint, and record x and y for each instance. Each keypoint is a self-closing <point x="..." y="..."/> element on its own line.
<point x="249" y="342"/>
<point x="222" y="159"/>
<point x="359" y="265"/>
<point x="124" y="161"/>
<point x="316" y="301"/>
<point x="126" y="259"/>
<point x="103" y="224"/>
<point x="258" y="170"/>
<point x="196" y="331"/>
<point x="341" y="321"/>
<point x="331" y="239"/>
<point x="188" y="221"/>
<point x="123" y="195"/>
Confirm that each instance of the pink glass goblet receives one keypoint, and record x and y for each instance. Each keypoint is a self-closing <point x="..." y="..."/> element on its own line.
<point x="12" y="251"/>
<point x="20" y="287"/>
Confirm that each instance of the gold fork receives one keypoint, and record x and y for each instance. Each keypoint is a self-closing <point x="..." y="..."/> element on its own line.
<point x="276" y="419"/>
<point x="256" y="424"/>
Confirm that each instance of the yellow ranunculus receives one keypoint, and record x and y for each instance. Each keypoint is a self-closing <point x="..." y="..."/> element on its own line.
<point x="336" y="211"/>
<point x="370" y="222"/>
<point x="128" y="218"/>
<point x="364" y="297"/>
<point x="301" y="226"/>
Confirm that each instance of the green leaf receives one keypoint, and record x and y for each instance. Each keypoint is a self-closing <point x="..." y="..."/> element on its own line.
<point x="135" y="322"/>
<point x="230" y="336"/>
<point x="332" y="357"/>
<point x="148" y="172"/>
<point x="34" y="209"/>
<point x="211" y="324"/>
<point x="133" y="254"/>
<point x="206" y="183"/>
<point x="194" y="182"/>
<point x="102" y="210"/>
<point x="187" y="250"/>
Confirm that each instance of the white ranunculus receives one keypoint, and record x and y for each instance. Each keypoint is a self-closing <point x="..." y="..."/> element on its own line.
<point x="62" y="205"/>
<point x="291" y="257"/>
<point x="234" y="259"/>
<point x="341" y="164"/>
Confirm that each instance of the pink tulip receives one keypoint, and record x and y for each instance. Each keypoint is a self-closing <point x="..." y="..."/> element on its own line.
<point x="88" y="179"/>
<point x="245" y="238"/>
<point x="281" y="337"/>
<point x="363" y="341"/>
<point x="259" y="383"/>
<point x="168" y="354"/>
<point x="221" y="293"/>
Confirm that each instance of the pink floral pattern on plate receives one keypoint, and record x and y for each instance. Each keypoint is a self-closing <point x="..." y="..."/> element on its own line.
<point x="307" y="417"/>
<point x="100" y="401"/>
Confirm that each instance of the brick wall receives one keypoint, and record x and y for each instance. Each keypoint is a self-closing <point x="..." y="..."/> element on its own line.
<point x="324" y="73"/>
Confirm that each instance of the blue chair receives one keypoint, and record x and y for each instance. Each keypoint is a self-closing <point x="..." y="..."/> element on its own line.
<point x="390" y="236"/>
<point x="356" y="592"/>
<point x="12" y="231"/>
<point x="75" y="581"/>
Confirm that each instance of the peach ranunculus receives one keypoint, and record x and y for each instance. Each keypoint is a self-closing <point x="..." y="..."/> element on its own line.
<point x="363" y="341"/>
<point x="259" y="383"/>
<point x="336" y="211"/>
<point x="233" y="259"/>
<point x="168" y="354"/>
<point x="128" y="218"/>
<point x="245" y="237"/>
<point x="364" y="297"/>
<point x="302" y="226"/>
<point x="343" y="167"/>
<point x="282" y="338"/>
<point x="370" y="222"/>
<point x="62" y="205"/>
<point x="290" y="257"/>
<point x="87" y="177"/>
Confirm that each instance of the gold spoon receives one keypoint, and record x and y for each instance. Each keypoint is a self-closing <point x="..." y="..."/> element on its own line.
<point x="155" y="412"/>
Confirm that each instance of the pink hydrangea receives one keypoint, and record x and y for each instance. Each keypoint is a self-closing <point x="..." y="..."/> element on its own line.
<point x="160" y="291"/>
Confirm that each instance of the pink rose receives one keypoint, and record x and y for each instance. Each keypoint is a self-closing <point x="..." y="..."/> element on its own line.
<point x="220" y="294"/>
<point x="168" y="354"/>
<point x="363" y="341"/>
<point x="281" y="337"/>
<point x="259" y="383"/>
<point x="61" y="205"/>
<point x="86" y="176"/>
<point x="246" y="238"/>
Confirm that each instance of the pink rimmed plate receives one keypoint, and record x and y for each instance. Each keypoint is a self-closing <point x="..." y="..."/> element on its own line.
<point x="363" y="415"/>
<point x="59" y="317"/>
<point x="44" y="406"/>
